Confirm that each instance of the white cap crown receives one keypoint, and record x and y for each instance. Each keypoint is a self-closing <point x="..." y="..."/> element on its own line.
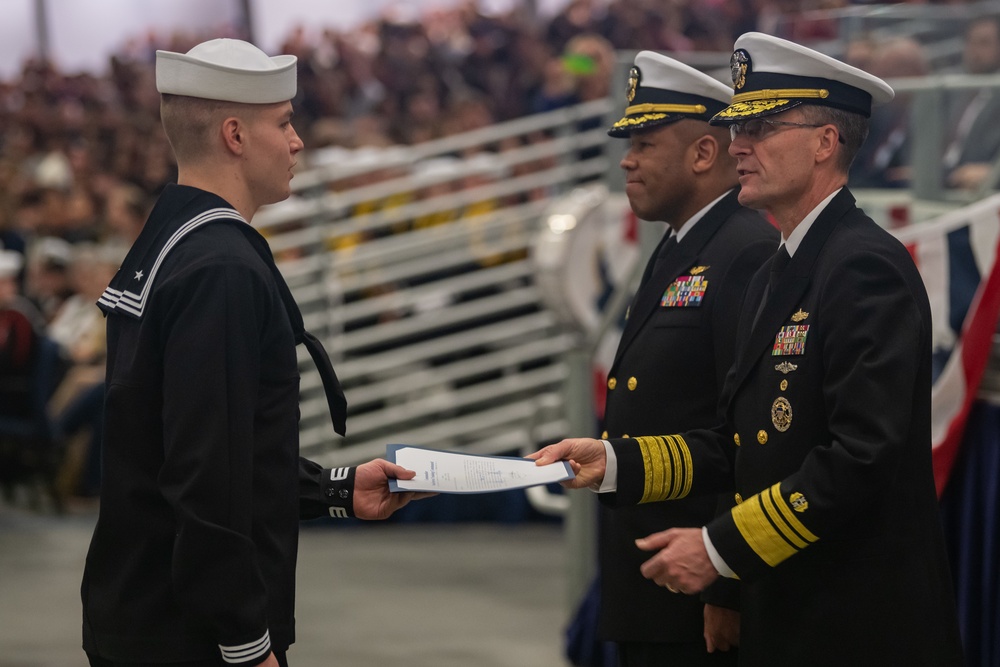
<point x="229" y="70"/>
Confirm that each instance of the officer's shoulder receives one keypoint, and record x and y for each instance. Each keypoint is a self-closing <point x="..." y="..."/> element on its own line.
<point x="859" y="234"/>
<point x="747" y="226"/>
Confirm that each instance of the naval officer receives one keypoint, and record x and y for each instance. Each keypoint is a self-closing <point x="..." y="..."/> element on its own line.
<point x="835" y="537"/>
<point x="680" y="327"/>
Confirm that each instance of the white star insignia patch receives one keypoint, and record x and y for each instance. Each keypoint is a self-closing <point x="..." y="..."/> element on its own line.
<point x="138" y="275"/>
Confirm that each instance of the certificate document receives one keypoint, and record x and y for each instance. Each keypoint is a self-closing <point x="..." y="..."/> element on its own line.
<point x="451" y="472"/>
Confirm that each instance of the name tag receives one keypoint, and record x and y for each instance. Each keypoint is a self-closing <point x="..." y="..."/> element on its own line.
<point x="685" y="292"/>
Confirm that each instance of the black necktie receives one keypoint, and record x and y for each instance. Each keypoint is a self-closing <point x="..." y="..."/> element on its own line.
<point x="661" y="256"/>
<point x="335" y="398"/>
<point x="650" y="279"/>
<point x="650" y="287"/>
<point x="778" y="264"/>
<point x="331" y="385"/>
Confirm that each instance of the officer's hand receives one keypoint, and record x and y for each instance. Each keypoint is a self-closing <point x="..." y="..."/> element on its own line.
<point x="682" y="564"/>
<point x="585" y="455"/>
<point x="722" y="628"/>
<point x="372" y="499"/>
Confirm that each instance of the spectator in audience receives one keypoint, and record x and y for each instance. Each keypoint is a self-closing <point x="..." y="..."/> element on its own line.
<point x="974" y="140"/>
<point x="125" y="211"/>
<point x="20" y="326"/>
<point x="78" y="326"/>
<point x="884" y="159"/>
<point x="47" y="282"/>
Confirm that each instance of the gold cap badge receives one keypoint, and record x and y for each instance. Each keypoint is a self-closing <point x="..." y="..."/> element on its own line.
<point x="739" y="63"/>
<point x="633" y="84"/>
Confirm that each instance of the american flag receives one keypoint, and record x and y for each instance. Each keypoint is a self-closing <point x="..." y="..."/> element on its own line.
<point x="956" y="255"/>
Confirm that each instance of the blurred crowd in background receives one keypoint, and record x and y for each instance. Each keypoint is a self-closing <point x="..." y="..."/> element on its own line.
<point x="82" y="156"/>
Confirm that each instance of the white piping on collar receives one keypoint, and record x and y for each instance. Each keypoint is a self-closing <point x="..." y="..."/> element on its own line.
<point x="133" y="303"/>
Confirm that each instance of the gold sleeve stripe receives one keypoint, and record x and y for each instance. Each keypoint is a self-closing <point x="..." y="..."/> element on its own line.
<point x="684" y="483"/>
<point x="769" y="528"/>
<point x="772" y="511"/>
<point x="677" y="471"/>
<point x="798" y="93"/>
<point x="647" y="465"/>
<point x="665" y="108"/>
<point x="667" y="468"/>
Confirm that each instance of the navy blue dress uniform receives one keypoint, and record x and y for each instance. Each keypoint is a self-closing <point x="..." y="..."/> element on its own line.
<point x="193" y="556"/>
<point x="671" y="362"/>
<point x="835" y="536"/>
<point x="203" y="485"/>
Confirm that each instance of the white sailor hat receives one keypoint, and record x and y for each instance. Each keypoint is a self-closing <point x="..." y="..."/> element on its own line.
<point x="229" y="70"/>
<point x="771" y="75"/>
<point x="662" y="90"/>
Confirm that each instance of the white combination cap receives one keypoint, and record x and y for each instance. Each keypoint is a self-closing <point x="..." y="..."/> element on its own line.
<point x="771" y="75"/>
<point x="663" y="90"/>
<point x="229" y="70"/>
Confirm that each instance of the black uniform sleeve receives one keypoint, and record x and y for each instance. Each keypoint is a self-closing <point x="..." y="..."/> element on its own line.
<point x="671" y="467"/>
<point x="325" y="491"/>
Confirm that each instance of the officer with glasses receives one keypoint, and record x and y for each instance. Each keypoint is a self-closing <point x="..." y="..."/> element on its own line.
<point x="835" y="535"/>
<point x="758" y="128"/>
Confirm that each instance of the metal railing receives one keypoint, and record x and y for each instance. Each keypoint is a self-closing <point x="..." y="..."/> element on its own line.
<point x="412" y="265"/>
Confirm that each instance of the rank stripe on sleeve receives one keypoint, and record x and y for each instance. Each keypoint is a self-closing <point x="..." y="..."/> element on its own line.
<point x="770" y="528"/>
<point x="666" y="462"/>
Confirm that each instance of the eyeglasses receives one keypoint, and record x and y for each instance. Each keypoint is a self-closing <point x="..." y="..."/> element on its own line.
<point x="758" y="128"/>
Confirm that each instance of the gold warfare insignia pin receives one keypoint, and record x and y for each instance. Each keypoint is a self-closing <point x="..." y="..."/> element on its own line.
<point x="799" y="316"/>
<point x="633" y="83"/>
<point x="786" y="367"/>
<point x="739" y="65"/>
<point x="698" y="269"/>
<point x="798" y="502"/>
<point x="781" y="414"/>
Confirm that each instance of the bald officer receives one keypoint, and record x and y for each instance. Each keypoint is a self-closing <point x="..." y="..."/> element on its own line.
<point x="835" y="537"/>
<point x="192" y="561"/>
<point x="680" y="327"/>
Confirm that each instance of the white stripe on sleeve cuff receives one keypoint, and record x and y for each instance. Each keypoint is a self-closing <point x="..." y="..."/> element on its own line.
<point x="247" y="652"/>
